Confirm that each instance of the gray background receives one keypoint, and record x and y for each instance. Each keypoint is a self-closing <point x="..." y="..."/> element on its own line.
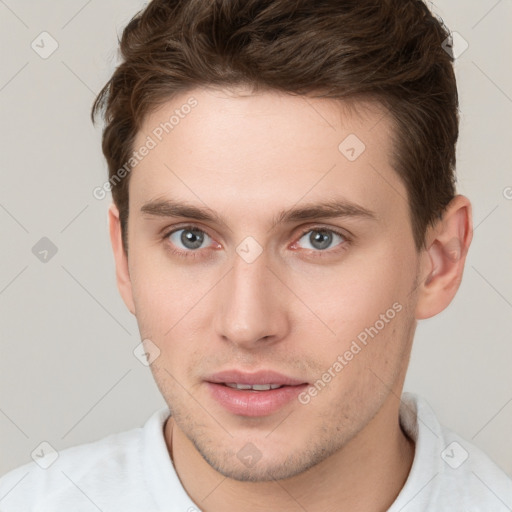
<point x="67" y="370"/>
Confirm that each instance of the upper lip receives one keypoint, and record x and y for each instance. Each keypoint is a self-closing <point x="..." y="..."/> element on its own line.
<point x="258" y="377"/>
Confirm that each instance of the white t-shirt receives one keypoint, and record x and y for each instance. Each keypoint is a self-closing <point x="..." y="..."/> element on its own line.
<point x="132" y="472"/>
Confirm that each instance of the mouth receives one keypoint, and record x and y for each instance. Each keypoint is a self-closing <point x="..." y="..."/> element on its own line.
<point x="253" y="387"/>
<point x="255" y="394"/>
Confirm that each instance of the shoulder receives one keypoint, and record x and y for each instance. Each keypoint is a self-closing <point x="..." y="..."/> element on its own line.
<point x="470" y="477"/>
<point x="79" y="477"/>
<point x="448" y="471"/>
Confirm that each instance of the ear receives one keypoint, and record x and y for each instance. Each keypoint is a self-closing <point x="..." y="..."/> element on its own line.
<point x="121" y="260"/>
<point x="442" y="263"/>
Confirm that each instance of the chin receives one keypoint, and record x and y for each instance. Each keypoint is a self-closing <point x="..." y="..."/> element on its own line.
<point x="261" y="472"/>
<point x="231" y="464"/>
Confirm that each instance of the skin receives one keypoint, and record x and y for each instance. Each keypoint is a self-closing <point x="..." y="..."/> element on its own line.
<point x="295" y="308"/>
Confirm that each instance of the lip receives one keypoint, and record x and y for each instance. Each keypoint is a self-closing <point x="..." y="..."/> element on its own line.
<point x="253" y="403"/>
<point x="259" y="377"/>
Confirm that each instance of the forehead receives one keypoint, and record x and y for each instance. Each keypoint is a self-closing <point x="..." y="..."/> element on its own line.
<point x="236" y="114"/>
<point x="230" y="148"/>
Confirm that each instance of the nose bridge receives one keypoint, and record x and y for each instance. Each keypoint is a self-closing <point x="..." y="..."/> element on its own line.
<point x="249" y="309"/>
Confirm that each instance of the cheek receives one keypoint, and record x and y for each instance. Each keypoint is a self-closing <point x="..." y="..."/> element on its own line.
<point x="352" y="296"/>
<point x="337" y="303"/>
<point x="154" y="292"/>
<point x="167" y="294"/>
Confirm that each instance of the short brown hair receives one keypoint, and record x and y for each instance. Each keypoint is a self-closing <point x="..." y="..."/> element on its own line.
<point x="388" y="51"/>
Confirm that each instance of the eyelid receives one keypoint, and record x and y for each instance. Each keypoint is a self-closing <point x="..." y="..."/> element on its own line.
<point x="185" y="225"/>
<point x="170" y="231"/>
<point x="347" y="237"/>
<point x="340" y="231"/>
<point x="319" y="227"/>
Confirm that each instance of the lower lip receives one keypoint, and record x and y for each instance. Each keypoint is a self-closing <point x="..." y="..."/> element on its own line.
<point x="253" y="403"/>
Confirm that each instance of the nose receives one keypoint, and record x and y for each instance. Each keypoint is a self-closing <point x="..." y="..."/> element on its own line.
<point x="251" y="310"/>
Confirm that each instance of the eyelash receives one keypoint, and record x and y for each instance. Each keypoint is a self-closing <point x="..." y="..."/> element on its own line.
<point x="318" y="254"/>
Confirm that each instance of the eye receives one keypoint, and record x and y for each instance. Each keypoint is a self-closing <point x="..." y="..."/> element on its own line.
<point x="189" y="237"/>
<point x="187" y="240"/>
<point x="320" y="239"/>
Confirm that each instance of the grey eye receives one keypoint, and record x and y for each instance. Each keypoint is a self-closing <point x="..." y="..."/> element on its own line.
<point x="190" y="238"/>
<point x="320" y="239"/>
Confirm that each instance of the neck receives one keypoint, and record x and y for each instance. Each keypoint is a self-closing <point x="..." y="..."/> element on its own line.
<point x="366" y="475"/>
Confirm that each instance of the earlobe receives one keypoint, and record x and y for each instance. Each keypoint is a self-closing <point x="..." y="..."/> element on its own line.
<point x="121" y="260"/>
<point x="443" y="262"/>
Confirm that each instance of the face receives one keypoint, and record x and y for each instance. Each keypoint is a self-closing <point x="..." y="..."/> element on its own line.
<point x="270" y="242"/>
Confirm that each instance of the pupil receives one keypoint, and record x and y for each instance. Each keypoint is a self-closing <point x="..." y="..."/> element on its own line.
<point x="320" y="239"/>
<point x="192" y="238"/>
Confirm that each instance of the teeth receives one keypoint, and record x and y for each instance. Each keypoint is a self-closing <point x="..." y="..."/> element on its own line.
<point x="261" y="387"/>
<point x="239" y="386"/>
<point x="255" y="387"/>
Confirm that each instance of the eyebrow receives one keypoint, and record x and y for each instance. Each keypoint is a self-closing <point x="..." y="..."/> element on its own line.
<point x="336" y="208"/>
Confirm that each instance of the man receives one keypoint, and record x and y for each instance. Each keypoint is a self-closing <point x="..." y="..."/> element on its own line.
<point x="284" y="213"/>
